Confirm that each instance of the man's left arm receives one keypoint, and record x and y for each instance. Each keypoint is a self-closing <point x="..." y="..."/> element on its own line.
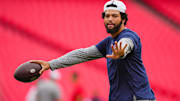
<point x="121" y="48"/>
<point x="128" y="49"/>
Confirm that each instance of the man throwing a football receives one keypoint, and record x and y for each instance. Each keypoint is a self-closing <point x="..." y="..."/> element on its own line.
<point x="122" y="50"/>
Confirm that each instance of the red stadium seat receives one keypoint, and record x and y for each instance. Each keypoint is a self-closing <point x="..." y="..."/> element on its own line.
<point x="169" y="8"/>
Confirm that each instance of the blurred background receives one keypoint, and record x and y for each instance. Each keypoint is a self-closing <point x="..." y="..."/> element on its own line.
<point x="46" y="29"/>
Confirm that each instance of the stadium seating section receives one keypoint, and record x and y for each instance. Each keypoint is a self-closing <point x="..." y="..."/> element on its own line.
<point x="169" y="8"/>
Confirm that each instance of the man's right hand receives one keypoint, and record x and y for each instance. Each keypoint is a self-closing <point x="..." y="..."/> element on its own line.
<point x="44" y="64"/>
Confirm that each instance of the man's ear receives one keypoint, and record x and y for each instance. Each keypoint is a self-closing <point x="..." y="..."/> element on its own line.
<point x="123" y="21"/>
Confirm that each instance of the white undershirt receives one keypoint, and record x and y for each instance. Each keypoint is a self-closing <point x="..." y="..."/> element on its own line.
<point x="86" y="54"/>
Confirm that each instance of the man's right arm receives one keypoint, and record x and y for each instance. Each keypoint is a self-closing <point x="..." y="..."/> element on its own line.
<point x="75" y="57"/>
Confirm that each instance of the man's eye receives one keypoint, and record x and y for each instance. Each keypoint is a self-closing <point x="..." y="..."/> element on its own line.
<point x="115" y="15"/>
<point x="106" y="16"/>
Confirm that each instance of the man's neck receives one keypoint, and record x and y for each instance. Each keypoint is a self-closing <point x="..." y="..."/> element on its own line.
<point x="118" y="32"/>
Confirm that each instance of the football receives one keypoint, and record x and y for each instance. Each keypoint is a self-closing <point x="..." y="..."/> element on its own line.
<point x="27" y="72"/>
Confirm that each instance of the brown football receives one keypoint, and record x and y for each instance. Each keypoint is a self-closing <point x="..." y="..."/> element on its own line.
<point x="27" y="72"/>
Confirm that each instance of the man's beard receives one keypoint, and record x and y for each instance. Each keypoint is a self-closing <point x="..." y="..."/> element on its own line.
<point x="115" y="29"/>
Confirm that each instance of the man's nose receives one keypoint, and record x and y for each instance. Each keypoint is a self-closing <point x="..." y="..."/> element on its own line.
<point x="110" y="18"/>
